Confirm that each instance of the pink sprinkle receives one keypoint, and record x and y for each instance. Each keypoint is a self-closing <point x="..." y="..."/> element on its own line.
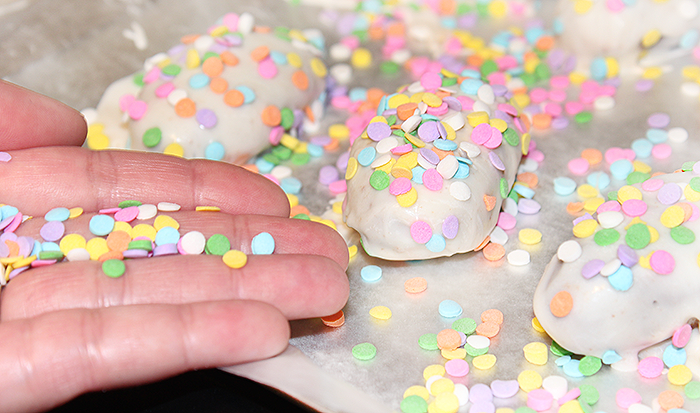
<point x="431" y="81"/>
<point x="662" y="262"/>
<point x="340" y="102"/>
<point x="14" y="224"/>
<point x="438" y="111"/>
<point x="539" y="400"/>
<point x="137" y="109"/>
<point x="152" y="75"/>
<point x="338" y="187"/>
<point x="536" y="155"/>
<point x="127" y="214"/>
<point x="5" y="157"/>
<point x="421" y="232"/>
<point x="661" y="151"/>
<point x="276" y="135"/>
<point x="538" y="95"/>
<point x="402" y="149"/>
<point x="651" y="185"/>
<point x="696" y="212"/>
<point x="559" y="82"/>
<point x="267" y="68"/>
<point x="578" y="166"/>
<point x="432" y="180"/>
<point x="453" y="46"/>
<point x="497" y="78"/>
<point x="230" y="20"/>
<point x="467" y="102"/>
<point x="615" y="154"/>
<point x="609" y="206"/>
<point x="164" y="90"/>
<point x="625" y="397"/>
<point x="634" y="207"/>
<point x="457" y="367"/>
<point x="400" y="186"/>
<point x="507" y="108"/>
<point x="125" y="101"/>
<point x="108" y="211"/>
<point x="481" y="133"/>
<point x="506" y="221"/>
<point x="615" y="6"/>
<point x="495" y="140"/>
<point x="682" y="336"/>
<point x="557" y="95"/>
<point x="573" y="107"/>
<point x="650" y="367"/>
<point x="553" y="109"/>
<point x="351" y="41"/>
<point x="570" y="395"/>
<point x="272" y="178"/>
<point x="42" y="263"/>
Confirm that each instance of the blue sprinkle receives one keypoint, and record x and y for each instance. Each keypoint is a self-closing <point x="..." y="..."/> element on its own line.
<point x="678" y="410"/>
<point x="314" y="150"/>
<point x="291" y="185"/>
<point x="611" y="357"/>
<point x="561" y="361"/>
<point x="262" y="244"/>
<point x="167" y="235"/>
<point x="57" y="214"/>
<point x="657" y="135"/>
<point x="436" y="243"/>
<point x="642" y="147"/>
<point x="37" y="248"/>
<point x="689" y="39"/>
<point x="621" y="168"/>
<point x="533" y="34"/>
<point x="371" y="273"/>
<point x="418" y="172"/>
<point x="524" y="191"/>
<point x="558" y="25"/>
<point x="474" y="74"/>
<point x="278" y="57"/>
<point x="448" y="22"/>
<point x="101" y="225"/>
<point x="383" y="105"/>
<point x="564" y="186"/>
<point x="50" y="246"/>
<point x="450" y="309"/>
<point x="264" y="166"/>
<point x="444" y="144"/>
<point x="470" y="86"/>
<point x="674" y="356"/>
<point x="599" y="68"/>
<point x="427" y="117"/>
<point x="622" y="279"/>
<point x="571" y="369"/>
<point x="462" y="171"/>
<point x="7" y="211"/>
<point x="215" y="151"/>
<point x="358" y="94"/>
<point x="366" y="156"/>
<point x="199" y="81"/>
<point x="462" y="159"/>
<point x="248" y="94"/>
<point x="599" y="180"/>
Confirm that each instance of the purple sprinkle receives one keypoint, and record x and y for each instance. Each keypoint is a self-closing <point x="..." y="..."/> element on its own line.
<point x="17" y="271"/>
<point x="328" y="174"/>
<point x="441" y="130"/>
<point x="345" y="25"/>
<point x="231" y="40"/>
<point x="627" y="256"/>
<point x="669" y="194"/>
<point x="6" y="222"/>
<point x="452" y="103"/>
<point x="644" y="85"/>
<point x="450" y="227"/>
<point x="5" y="157"/>
<point x="378" y="131"/>
<point x="499" y="90"/>
<point x="298" y="118"/>
<point x="177" y="49"/>
<point x="480" y="393"/>
<point x="534" y="109"/>
<point x="555" y="58"/>
<point x="342" y="162"/>
<point x="136" y="253"/>
<point x="207" y="118"/>
<point x="496" y="161"/>
<point x="504" y="389"/>
<point x="528" y="206"/>
<point x="592" y="268"/>
<point x="165" y="249"/>
<point x="218" y="47"/>
<point x="26" y="245"/>
<point x="389" y="112"/>
<point x="499" y="114"/>
<point x="429" y="156"/>
<point x="485" y="407"/>
<point x="428" y="131"/>
<point x="467" y="21"/>
<point x="462" y="338"/>
<point x="4" y="250"/>
<point x="8" y="236"/>
<point x="659" y="120"/>
<point x="560" y="122"/>
<point x="582" y="218"/>
<point x="320" y="140"/>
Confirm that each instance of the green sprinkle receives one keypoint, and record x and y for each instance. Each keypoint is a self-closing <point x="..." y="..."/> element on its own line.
<point x="463" y="8"/>
<point x="282" y="152"/>
<point x="300" y="159"/>
<point x="482" y="9"/>
<point x="113" y="268"/>
<point x="171" y="70"/>
<point x="305" y="217"/>
<point x="511" y="137"/>
<point x="449" y="81"/>
<point x="414" y="404"/>
<point x="389" y="68"/>
<point x="129" y="203"/>
<point x="287" y="118"/>
<point x="558" y="350"/>
<point x="51" y="255"/>
<point x="217" y="244"/>
<point x="606" y="237"/>
<point x="364" y="351"/>
<point x="612" y="196"/>
<point x="503" y="186"/>
<point x="543" y="72"/>
<point x="379" y="180"/>
<point x="528" y="79"/>
<point x="152" y="137"/>
<point x="465" y="325"/>
<point x="589" y="394"/>
<point x="695" y="183"/>
<point x="687" y="166"/>
<point x="637" y="177"/>
<point x="682" y="235"/>
<point x="141" y="244"/>
<point x="474" y="352"/>
<point x="207" y="55"/>
<point x="638" y="236"/>
<point x="583" y="117"/>
<point x="428" y="341"/>
<point x="692" y="390"/>
<point x="525" y="409"/>
<point x="488" y="67"/>
<point x="589" y="365"/>
<point x="514" y="196"/>
<point x="271" y="158"/>
<point x="138" y="79"/>
<point x="391" y="120"/>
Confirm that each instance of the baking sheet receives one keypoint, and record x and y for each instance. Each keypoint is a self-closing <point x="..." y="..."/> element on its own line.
<point x="72" y="50"/>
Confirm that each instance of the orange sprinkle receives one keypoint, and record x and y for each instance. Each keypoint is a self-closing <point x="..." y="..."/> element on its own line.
<point x="374" y="95"/>
<point x="490" y="202"/>
<point x="406" y="110"/>
<point x="251" y="167"/>
<point x="525" y="122"/>
<point x="545" y="43"/>
<point x="483" y="243"/>
<point x="185" y="108"/>
<point x="309" y="113"/>
<point x="260" y="53"/>
<point x="298" y="209"/>
<point x="415" y="285"/>
<point x="670" y="399"/>
<point x="300" y="80"/>
<point x="335" y="320"/>
<point x="118" y="241"/>
<point x="189" y="38"/>
<point x="14" y="248"/>
<point x="592" y="155"/>
<point x="396" y="29"/>
<point x="262" y="29"/>
<point x="561" y="304"/>
<point x="528" y="178"/>
<point x="234" y="98"/>
<point x="111" y="255"/>
<point x="213" y="66"/>
<point x="489" y="330"/>
<point x="442" y="93"/>
<point x="376" y="33"/>
<point x="401" y="172"/>
<point x="475" y="60"/>
<point x="492" y="316"/>
<point x="574" y="208"/>
<point x="229" y="58"/>
<point x="687" y="210"/>
<point x="447" y="7"/>
<point x="332" y="145"/>
<point x="448" y="339"/>
<point x="656" y="174"/>
<point x="440" y="153"/>
<point x="494" y="251"/>
<point x="541" y="120"/>
<point x="218" y="85"/>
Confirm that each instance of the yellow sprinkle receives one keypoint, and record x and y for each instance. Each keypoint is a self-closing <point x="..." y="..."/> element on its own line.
<point x="352" y="250"/>
<point x="572" y="406"/>
<point x="338" y="131"/>
<point x="387" y="166"/>
<point x="451" y="134"/>
<point x="401" y="172"/>
<point x="529" y="236"/>
<point x="293" y="200"/>
<point x="520" y="100"/>
<point x="163" y="221"/>
<point x="613" y="67"/>
<point x="192" y="59"/>
<point x="640" y="166"/>
<point x="536" y="353"/>
<point x="379" y="118"/>
<point x="294" y="60"/>
<point x="691" y="72"/>
<point x="296" y="34"/>
<point x="654" y="234"/>
<point x="585" y="228"/>
<point x="628" y="192"/>
<point x="652" y="73"/>
<point x="697" y="260"/>
<point x="529" y="380"/>
<point x="431" y="100"/>
<point x="537" y="326"/>
<point x="691" y="194"/>
<point x="448" y="73"/>
<point x="679" y="375"/>
<point x="289" y="141"/>
<point x="418" y="143"/>
<point x="644" y="261"/>
<point x="576" y="78"/>
<point x="407" y="199"/>
<point x="337" y="207"/>
<point x="530" y="65"/>
<point x="447" y="402"/>
<point x="591" y="205"/>
<point x="582" y="6"/>
<point x="123" y="226"/>
<point x="144" y="230"/>
<point x="442" y="385"/>
<point x="650" y="38"/>
<point x="672" y="217"/>
<point x="24" y="262"/>
<point x="433" y="370"/>
<point x="397" y="100"/>
<point x="75" y="212"/>
<point x="407" y="160"/>
<point x="484" y="361"/>
<point x="497" y="8"/>
<point x="586" y="191"/>
<point x="174" y="149"/>
<point x="318" y="67"/>
<point x="458" y="353"/>
<point x="235" y="258"/>
<point x="96" y="247"/>
<point x="504" y="410"/>
<point x="10" y="260"/>
<point x="499" y="124"/>
<point x="361" y="58"/>
<point x="71" y="241"/>
<point x="477" y="118"/>
<point x="97" y="141"/>
<point x="97" y="127"/>
<point x="302" y="147"/>
<point x="416" y="97"/>
<point x="525" y="143"/>
<point x="218" y="31"/>
<point x="416" y="390"/>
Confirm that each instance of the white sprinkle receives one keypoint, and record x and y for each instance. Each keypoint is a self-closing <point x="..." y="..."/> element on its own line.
<point x="610" y="219"/>
<point x="518" y="258"/>
<point x="485" y="94"/>
<point x="147" y="211"/>
<point x="193" y="243"/>
<point x="556" y="385"/>
<point x="456" y="121"/>
<point x="569" y="251"/>
<point x="342" y="73"/>
<point x="604" y="103"/>
<point x="447" y="167"/>
<point x="499" y="236"/>
<point x="460" y="191"/>
<point x="78" y="254"/>
<point x="381" y="161"/>
<point x="691" y="89"/>
<point x="462" y="393"/>
<point x="478" y="342"/>
<point x="168" y="207"/>
<point x="677" y="134"/>
<point x="340" y="52"/>
<point x="387" y="144"/>
<point x="610" y="267"/>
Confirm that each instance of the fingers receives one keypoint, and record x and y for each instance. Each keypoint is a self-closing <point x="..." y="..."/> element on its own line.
<point x="45" y="178"/>
<point x="300" y="286"/>
<point x="28" y="119"/>
<point x="58" y="356"/>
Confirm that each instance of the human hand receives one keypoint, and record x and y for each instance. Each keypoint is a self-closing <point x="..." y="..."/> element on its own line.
<point x="68" y="329"/>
